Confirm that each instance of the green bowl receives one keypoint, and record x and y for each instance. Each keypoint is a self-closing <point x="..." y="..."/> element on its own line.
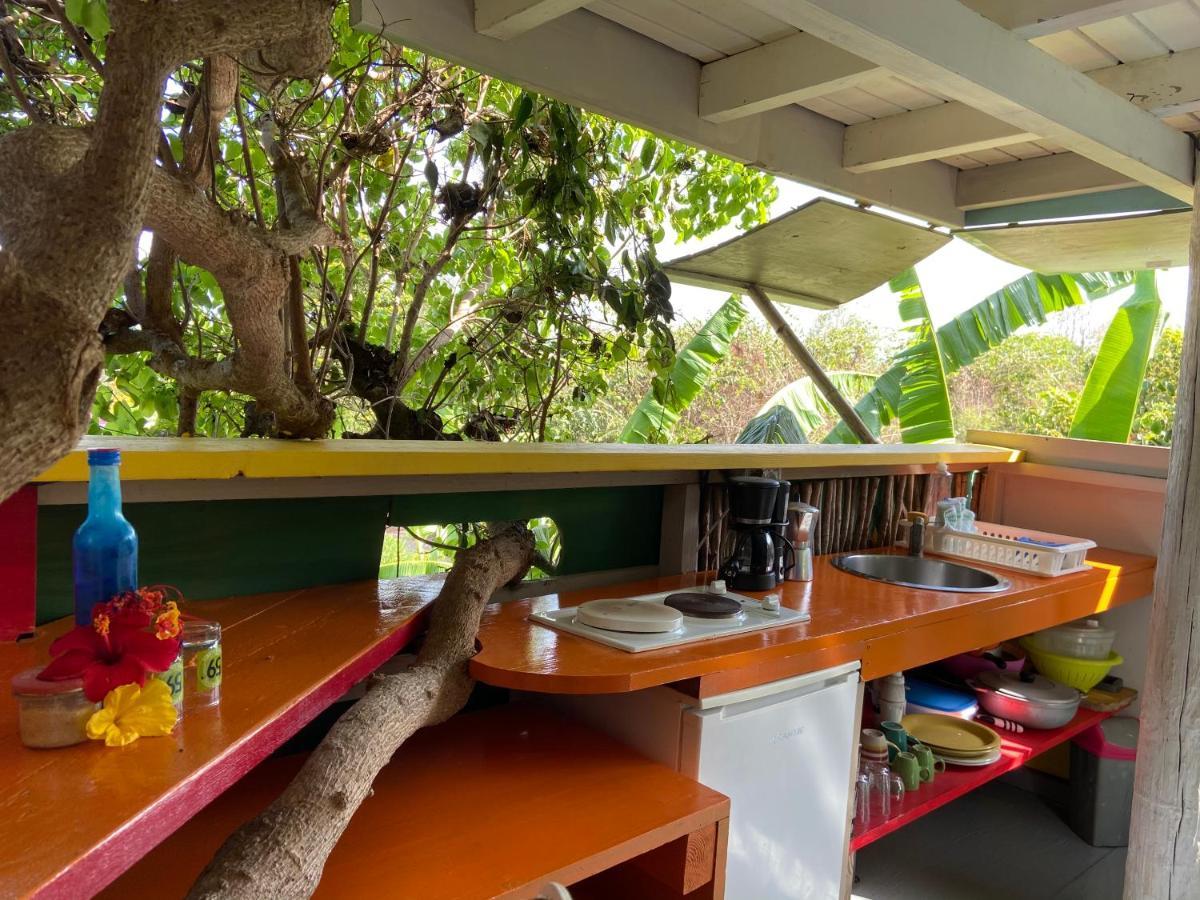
<point x="1081" y="674"/>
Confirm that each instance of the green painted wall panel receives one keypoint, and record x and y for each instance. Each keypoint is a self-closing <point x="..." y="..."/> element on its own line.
<point x="220" y="548"/>
<point x="217" y="548"/>
<point x="600" y="528"/>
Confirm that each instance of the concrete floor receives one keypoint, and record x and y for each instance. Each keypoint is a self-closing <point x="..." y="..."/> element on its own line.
<point x="998" y="843"/>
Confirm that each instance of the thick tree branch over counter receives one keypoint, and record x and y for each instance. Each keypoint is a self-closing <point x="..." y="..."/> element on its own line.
<point x="282" y="853"/>
<point x="69" y="230"/>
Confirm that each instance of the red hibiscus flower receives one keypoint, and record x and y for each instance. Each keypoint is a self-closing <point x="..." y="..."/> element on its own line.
<point x="109" y="653"/>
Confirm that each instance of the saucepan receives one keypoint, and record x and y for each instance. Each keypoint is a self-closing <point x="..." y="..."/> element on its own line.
<point x="1031" y="700"/>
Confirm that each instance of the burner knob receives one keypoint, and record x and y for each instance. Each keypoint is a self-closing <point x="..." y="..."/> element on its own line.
<point x="771" y="602"/>
<point x="717" y="587"/>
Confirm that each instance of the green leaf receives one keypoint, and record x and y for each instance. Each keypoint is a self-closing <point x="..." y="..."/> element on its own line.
<point x="778" y="425"/>
<point x="653" y="419"/>
<point x="1110" y="395"/>
<point x="523" y="109"/>
<point x="808" y="405"/>
<point x="924" y="403"/>
<point x="966" y="337"/>
<point x="648" y="148"/>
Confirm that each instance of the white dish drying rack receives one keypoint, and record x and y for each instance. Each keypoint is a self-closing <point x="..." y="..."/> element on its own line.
<point x="1041" y="553"/>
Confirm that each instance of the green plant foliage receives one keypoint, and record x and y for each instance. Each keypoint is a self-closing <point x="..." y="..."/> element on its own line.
<point x="1026" y="301"/>
<point x="496" y="248"/>
<point x="777" y="425"/>
<point x="924" y="407"/>
<point x="1110" y="397"/>
<point x="804" y="405"/>
<point x="658" y="412"/>
<point x="1155" y="418"/>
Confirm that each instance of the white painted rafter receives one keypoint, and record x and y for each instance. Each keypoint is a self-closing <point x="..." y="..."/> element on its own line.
<point x="586" y="60"/>
<point x="506" y="19"/>
<point x="789" y="70"/>
<point x="1041" y="178"/>
<point x="946" y="47"/>
<point x="1165" y="85"/>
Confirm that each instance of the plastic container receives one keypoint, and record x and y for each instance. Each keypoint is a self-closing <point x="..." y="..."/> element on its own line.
<point x="202" y="663"/>
<point x="927" y="697"/>
<point x="104" y="551"/>
<point x="1023" y="549"/>
<point x="1085" y="639"/>
<point x="1081" y="674"/>
<point x="173" y="679"/>
<point x="51" y="713"/>
<point x="1102" y="761"/>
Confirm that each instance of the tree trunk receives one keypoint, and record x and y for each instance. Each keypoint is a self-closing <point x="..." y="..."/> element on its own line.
<point x="282" y="853"/>
<point x="1163" y="862"/>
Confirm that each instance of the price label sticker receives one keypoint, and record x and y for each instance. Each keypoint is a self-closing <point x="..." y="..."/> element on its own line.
<point x="173" y="678"/>
<point x="208" y="669"/>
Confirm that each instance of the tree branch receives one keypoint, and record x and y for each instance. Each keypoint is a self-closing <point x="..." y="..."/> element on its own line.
<point x="282" y="853"/>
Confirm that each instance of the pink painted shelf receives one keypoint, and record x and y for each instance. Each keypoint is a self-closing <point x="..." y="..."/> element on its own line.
<point x="72" y="820"/>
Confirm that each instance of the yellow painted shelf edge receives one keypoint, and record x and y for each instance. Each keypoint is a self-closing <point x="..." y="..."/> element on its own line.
<point x="174" y="459"/>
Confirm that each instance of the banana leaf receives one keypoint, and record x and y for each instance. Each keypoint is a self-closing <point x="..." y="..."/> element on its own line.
<point x="1109" y="400"/>
<point x="804" y="405"/>
<point x="659" y="411"/>
<point x="924" y="408"/>
<point x="966" y="337"/>
<point x="777" y="425"/>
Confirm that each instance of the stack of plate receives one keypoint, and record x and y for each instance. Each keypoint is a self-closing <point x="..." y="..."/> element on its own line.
<point x="957" y="741"/>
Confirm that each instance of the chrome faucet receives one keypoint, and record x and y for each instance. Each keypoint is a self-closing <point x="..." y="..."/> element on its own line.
<point x="916" y="533"/>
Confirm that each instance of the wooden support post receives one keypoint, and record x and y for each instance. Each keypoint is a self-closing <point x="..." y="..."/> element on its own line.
<point x="1164" y="841"/>
<point x="810" y="365"/>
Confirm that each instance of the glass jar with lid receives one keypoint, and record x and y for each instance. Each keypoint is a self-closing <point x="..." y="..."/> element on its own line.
<point x="51" y="713"/>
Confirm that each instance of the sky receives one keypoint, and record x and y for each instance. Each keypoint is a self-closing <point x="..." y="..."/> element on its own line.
<point x="954" y="278"/>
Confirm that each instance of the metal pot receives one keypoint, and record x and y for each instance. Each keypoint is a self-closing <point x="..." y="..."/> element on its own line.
<point x="1031" y="700"/>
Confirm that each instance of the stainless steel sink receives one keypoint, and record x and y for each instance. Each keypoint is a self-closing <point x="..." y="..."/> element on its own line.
<point x="921" y="572"/>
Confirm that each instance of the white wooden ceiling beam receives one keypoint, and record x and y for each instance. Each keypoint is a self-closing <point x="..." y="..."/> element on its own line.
<point x="1041" y="178"/>
<point x="795" y="68"/>
<point x="1165" y="85"/>
<point x="586" y="60"/>
<point x="505" y="19"/>
<point x="948" y="48"/>
<point x="799" y="67"/>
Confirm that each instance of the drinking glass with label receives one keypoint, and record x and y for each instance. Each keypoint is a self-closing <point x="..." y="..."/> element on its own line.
<point x="202" y="662"/>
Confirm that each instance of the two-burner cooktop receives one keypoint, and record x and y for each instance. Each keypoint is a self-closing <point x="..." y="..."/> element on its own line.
<point x="667" y="619"/>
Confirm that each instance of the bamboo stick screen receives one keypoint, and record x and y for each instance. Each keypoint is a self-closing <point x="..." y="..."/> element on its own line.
<point x="856" y="513"/>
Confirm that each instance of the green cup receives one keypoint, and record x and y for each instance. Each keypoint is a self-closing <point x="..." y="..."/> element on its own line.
<point x="927" y="761"/>
<point x="906" y="766"/>
<point x="896" y="734"/>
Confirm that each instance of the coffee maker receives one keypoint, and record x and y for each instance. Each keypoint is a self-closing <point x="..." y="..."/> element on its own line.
<point x="756" y="552"/>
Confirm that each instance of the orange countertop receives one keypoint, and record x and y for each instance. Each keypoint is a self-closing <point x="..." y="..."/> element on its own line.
<point x="889" y="628"/>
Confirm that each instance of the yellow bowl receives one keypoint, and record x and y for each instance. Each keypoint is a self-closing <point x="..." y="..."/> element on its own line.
<point x="1081" y="674"/>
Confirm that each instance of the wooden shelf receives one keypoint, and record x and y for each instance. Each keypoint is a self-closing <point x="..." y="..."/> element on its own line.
<point x="172" y="459"/>
<point x="490" y="804"/>
<point x="1015" y="750"/>
<point x="74" y="819"/>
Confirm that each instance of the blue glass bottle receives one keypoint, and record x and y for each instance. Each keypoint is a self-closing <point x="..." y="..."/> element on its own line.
<point x="105" y="548"/>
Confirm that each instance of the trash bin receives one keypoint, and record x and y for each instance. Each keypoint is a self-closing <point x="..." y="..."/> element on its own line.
<point x="1102" y="760"/>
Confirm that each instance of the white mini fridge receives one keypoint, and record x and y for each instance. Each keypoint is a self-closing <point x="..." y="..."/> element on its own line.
<point x="782" y="752"/>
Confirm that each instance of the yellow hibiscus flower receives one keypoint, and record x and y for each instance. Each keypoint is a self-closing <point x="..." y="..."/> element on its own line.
<point x="131" y="712"/>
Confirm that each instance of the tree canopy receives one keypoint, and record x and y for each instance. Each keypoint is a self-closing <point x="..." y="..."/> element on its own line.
<point x="391" y="247"/>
